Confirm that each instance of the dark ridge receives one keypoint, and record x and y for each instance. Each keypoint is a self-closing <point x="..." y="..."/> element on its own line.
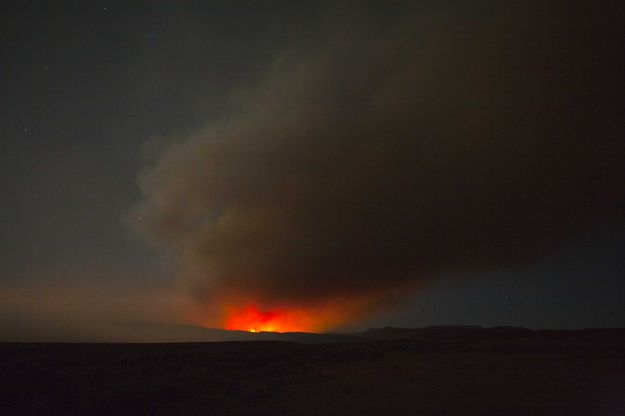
<point x="433" y="338"/>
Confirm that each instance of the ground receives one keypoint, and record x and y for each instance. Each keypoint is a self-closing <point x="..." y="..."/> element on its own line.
<point x="399" y="377"/>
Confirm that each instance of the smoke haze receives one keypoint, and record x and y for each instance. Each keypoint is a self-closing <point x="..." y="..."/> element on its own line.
<point x="390" y="154"/>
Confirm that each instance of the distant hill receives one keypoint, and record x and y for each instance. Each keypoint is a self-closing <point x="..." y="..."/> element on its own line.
<point x="390" y="333"/>
<point x="188" y="333"/>
<point x="433" y="338"/>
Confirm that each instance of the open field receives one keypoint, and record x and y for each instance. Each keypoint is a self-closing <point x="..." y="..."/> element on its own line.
<point x="437" y="375"/>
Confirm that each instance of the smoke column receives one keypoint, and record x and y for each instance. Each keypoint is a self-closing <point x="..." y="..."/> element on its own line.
<point x="388" y="154"/>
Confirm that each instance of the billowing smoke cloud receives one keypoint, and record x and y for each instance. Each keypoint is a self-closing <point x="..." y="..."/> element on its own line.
<point x="386" y="155"/>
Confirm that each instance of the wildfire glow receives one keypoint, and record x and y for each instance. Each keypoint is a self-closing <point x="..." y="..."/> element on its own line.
<point x="252" y="319"/>
<point x="251" y="316"/>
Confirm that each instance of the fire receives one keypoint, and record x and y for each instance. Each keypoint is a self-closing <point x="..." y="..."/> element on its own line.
<point x="252" y="319"/>
<point x="252" y="316"/>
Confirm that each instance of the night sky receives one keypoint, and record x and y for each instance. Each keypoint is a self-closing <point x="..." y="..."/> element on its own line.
<point x="371" y="163"/>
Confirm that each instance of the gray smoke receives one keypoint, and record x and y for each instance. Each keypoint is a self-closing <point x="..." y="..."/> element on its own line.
<point x="389" y="154"/>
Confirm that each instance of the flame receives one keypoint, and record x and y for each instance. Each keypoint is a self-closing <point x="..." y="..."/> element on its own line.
<point x="251" y="318"/>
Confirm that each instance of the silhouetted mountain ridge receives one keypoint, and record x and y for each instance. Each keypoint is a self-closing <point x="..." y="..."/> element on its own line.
<point x="432" y="338"/>
<point x="441" y="330"/>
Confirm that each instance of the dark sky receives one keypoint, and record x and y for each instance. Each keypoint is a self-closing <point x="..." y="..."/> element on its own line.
<point x="430" y="162"/>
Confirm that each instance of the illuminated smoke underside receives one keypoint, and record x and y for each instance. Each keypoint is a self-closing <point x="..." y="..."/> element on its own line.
<point x="382" y="159"/>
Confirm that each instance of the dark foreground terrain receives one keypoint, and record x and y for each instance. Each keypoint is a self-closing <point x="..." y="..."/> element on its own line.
<point x="436" y="371"/>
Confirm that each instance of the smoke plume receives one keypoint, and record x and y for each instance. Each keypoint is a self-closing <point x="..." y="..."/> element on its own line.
<point x="386" y="154"/>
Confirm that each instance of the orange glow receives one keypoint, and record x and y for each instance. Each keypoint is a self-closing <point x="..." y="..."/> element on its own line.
<point x="252" y="319"/>
<point x="243" y="314"/>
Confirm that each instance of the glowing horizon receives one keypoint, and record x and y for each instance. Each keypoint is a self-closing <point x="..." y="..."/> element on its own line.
<point x="253" y="319"/>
